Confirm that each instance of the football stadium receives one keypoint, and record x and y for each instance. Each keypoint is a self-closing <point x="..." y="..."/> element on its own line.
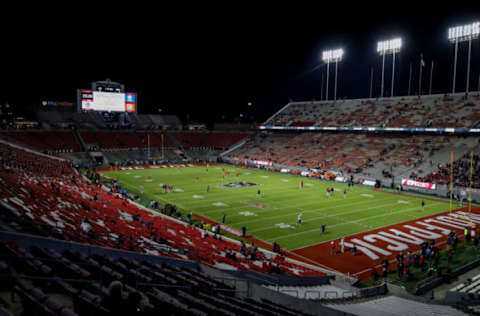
<point x="329" y="204"/>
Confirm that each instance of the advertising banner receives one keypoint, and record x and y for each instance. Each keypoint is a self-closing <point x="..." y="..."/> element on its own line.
<point x="417" y="184"/>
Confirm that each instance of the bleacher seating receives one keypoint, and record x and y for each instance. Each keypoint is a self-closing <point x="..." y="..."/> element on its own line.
<point x="86" y="282"/>
<point x="470" y="286"/>
<point x="351" y="153"/>
<point x="52" y="141"/>
<point x="50" y="198"/>
<point x="429" y="111"/>
<point x="318" y="292"/>
<point x="461" y="172"/>
<point x="214" y="140"/>
<point x="394" y="305"/>
<point x="110" y="140"/>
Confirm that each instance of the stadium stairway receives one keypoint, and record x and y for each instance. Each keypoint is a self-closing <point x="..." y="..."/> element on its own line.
<point x="80" y="140"/>
<point x="174" y="140"/>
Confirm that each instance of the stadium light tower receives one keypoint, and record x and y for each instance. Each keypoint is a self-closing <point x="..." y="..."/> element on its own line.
<point x="385" y="48"/>
<point x="330" y="56"/>
<point x="459" y="34"/>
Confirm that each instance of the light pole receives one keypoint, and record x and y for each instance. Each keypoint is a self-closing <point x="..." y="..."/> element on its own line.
<point x="321" y="90"/>
<point x="328" y="57"/>
<point x="409" y="79"/>
<point x="460" y="34"/>
<point x="431" y="78"/>
<point x="385" y="48"/>
<point x="371" y="81"/>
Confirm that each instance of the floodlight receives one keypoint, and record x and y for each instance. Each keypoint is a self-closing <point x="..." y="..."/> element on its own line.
<point x="385" y="48"/>
<point x="335" y="55"/>
<point x="464" y="32"/>
<point x="330" y="56"/>
<point x="389" y="47"/>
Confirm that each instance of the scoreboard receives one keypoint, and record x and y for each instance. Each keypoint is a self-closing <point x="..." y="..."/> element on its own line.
<point x="107" y="101"/>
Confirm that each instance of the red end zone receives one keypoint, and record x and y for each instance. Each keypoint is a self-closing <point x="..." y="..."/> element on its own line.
<point x="386" y="242"/>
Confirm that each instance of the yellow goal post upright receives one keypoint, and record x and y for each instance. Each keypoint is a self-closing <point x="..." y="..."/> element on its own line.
<point x="148" y="146"/>
<point x="470" y="193"/>
<point x="471" y="184"/>
<point x="451" y="181"/>
<point x="163" y="146"/>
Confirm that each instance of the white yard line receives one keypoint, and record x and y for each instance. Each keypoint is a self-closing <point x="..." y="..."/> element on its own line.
<point x="312" y="219"/>
<point x="318" y="209"/>
<point x="323" y="201"/>
<point x="361" y="232"/>
<point x="349" y="222"/>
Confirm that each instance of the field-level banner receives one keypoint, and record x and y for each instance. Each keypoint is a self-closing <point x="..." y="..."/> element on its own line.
<point x="262" y="163"/>
<point x="417" y="184"/>
<point x="369" y="183"/>
<point x="231" y="230"/>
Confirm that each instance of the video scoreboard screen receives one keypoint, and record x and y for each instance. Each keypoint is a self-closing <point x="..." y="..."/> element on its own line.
<point x="107" y="101"/>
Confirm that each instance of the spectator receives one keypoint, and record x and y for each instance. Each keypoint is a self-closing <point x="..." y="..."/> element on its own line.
<point x="416" y="259"/>
<point x="400" y="270"/>
<point x="374" y="275"/>
<point x="428" y="251"/>
<point x="449" y="257"/>
<point x="134" y="303"/>
<point x="406" y="272"/>
<point x="385" y="263"/>
<point x="115" y="301"/>
<point x="86" y="227"/>
<point x="275" y="247"/>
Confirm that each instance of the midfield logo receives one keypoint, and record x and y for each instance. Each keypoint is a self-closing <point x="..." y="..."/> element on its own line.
<point x="247" y="213"/>
<point x="283" y="225"/>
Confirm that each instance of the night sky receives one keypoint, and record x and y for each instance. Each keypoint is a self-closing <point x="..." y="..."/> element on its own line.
<point x="210" y="61"/>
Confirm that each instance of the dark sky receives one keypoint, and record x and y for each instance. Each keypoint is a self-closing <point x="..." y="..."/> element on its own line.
<point x="209" y="61"/>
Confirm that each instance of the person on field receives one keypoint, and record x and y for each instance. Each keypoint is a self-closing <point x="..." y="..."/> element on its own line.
<point x="259" y="194"/>
<point x="224" y="217"/>
<point x="423" y="205"/>
<point x="208" y="188"/>
<point x="332" y="247"/>
<point x="299" y="219"/>
<point x="342" y="245"/>
<point x="323" y="228"/>
<point x="345" y="193"/>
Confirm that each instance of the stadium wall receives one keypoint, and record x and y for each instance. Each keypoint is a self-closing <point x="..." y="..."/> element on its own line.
<point x="307" y="306"/>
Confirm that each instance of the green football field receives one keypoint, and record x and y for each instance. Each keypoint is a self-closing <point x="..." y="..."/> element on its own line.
<point x="273" y="216"/>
